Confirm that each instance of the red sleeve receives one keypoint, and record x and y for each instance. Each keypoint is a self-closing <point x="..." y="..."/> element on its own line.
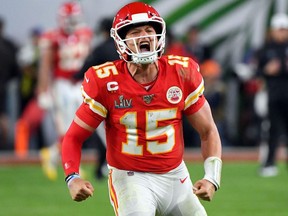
<point x="196" y="106"/>
<point x="93" y="95"/>
<point x="71" y="147"/>
<point x="85" y="34"/>
<point x="88" y="116"/>
<point x="194" y="88"/>
<point x="48" y="39"/>
<point x="75" y="137"/>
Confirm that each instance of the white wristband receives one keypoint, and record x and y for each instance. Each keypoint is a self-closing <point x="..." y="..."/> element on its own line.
<point x="70" y="178"/>
<point x="213" y="167"/>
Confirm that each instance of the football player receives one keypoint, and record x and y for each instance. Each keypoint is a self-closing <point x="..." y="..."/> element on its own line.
<point x="63" y="51"/>
<point x="142" y="99"/>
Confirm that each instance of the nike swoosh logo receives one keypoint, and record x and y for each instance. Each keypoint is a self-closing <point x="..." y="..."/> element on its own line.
<point x="183" y="180"/>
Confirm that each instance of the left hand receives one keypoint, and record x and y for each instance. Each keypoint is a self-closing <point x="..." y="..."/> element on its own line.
<point x="80" y="189"/>
<point x="204" y="190"/>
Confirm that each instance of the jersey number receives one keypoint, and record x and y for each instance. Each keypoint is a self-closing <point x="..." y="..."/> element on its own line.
<point x="153" y="132"/>
<point x="173" y="59"/>
<point x="108" y="68"/>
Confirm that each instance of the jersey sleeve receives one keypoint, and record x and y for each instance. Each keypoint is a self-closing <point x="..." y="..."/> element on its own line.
<point x="194" y="88"/>
<point x="47" y="40"/>
<point x="93" y="109"/>
<point x="85" y="34"/>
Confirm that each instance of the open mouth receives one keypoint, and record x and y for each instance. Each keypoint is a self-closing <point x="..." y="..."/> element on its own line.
<point x="144" y="47"/>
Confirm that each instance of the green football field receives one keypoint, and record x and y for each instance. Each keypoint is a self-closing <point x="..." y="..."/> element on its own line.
<point x="24" y="191"/>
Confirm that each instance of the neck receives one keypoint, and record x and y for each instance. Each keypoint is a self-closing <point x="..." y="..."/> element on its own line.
<point x="143" y="73"/>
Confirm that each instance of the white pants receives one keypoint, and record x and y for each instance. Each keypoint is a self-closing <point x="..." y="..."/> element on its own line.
<point x="67" y="98"/>
<point x="148" y="194"/>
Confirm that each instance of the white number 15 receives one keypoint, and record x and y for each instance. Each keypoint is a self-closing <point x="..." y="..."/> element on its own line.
<point x="153" y="132"/>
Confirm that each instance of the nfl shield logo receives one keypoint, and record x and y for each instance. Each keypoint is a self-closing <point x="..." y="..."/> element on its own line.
<point x="148" y="98"/>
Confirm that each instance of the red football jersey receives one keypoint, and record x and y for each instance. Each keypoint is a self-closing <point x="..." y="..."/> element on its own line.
<point x="144" y="127"/>
<point x="69" y="51"/>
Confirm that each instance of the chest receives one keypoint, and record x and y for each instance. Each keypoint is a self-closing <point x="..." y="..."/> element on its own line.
<point x="70" y="52"/>
<point x="70" y="47"/>
<point x="130" y="104"/>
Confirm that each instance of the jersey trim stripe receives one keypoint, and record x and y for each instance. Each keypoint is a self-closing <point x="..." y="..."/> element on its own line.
<point x="113" y="196"/>
<point x="95" y="106"/>
<point x="194" y="96"/>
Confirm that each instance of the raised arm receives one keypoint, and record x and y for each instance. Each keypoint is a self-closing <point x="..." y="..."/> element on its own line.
<point x="203" y="122"/>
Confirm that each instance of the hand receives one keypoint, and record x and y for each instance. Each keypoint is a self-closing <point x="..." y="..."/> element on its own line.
<point x="80" y="189"/>
<point x="204" y="189"/>
<point x="273" y="67"/>
<point x="45" y="99"/>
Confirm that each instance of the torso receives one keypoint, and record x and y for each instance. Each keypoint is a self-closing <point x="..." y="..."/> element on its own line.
<point x="144" y="127"/>
<point x="69" y="51"/>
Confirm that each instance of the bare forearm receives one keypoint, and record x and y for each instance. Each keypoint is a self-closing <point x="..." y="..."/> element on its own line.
<point x="45" y="68"/>
<point x="211" y="143"/>
<point x="204" y="124"/>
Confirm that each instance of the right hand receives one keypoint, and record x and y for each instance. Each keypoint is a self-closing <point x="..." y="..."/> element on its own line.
<point x="80" y="189"/>
<point x="204" y="189"/>
<point x="273" y="67"/>
<point x="45" y="100"/>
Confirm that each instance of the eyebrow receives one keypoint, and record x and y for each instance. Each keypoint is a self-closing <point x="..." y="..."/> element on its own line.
<point x="140" y="27"/>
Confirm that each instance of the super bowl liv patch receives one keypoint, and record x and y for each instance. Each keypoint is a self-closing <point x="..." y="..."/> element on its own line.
<point x="123" y="103"/>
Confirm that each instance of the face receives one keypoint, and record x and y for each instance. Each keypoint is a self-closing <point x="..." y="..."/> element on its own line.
<point x="192" y="36"/>
<point x="280" y="35"/>
<point x="141" y="39"/>
<point x="70" y="23"/>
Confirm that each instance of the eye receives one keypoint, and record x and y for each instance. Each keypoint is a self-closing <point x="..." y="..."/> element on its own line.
<point x="133" y="32"/>
<point x="150" y="30"/>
